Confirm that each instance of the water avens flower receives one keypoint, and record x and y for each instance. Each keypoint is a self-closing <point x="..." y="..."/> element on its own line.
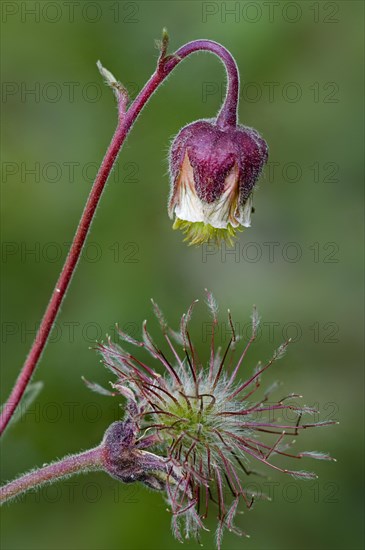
<point x="213" y="171"/>
<point x="204" y="423"/>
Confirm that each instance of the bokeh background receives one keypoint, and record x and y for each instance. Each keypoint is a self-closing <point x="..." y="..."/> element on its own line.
<point x="301" y="262"/>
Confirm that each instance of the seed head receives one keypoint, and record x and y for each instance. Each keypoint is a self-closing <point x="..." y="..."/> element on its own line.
<point x="205" y="423"/>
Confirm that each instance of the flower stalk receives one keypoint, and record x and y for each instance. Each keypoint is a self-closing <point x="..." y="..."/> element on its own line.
<point x="226" y="117"/>
<point x="73" y="464"/>
<point x="120" y="454"/>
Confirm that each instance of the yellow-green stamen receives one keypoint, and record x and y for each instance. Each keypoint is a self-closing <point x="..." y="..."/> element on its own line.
<point x="199" y="232"/>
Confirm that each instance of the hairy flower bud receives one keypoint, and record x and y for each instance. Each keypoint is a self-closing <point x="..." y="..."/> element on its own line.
<point x="213" y="172"/>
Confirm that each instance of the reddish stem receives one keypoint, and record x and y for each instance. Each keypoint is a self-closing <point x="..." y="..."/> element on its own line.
<point x="226" y="116"/>
<point x="73" y="464"/>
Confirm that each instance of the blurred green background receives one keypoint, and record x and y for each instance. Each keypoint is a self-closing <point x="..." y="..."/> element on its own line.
<point x="301" y="262"/>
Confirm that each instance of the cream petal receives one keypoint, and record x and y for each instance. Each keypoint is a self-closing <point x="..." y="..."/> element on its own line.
<point x="244" y="216"/>
<point x="188" y="207"/>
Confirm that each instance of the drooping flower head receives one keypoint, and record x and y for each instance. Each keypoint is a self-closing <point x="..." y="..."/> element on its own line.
<point x="213" y="171"/>
<point x="204" y="422"/>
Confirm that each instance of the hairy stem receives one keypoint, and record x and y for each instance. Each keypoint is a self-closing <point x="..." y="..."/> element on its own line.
<point x="227" y="116"/>
<point x="74" y="464"/>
